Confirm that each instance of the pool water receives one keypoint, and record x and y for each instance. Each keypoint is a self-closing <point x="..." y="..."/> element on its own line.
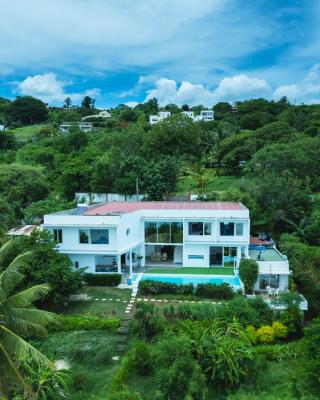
<point x="195" y="279"/>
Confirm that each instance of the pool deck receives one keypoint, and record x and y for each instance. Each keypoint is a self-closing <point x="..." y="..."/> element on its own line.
<point x="191" y="271"/>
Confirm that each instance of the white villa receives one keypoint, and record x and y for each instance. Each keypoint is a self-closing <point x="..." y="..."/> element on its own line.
<point x="118" y="236"/>
<point x="83" y="126"/>
<point x="205" y="115"/>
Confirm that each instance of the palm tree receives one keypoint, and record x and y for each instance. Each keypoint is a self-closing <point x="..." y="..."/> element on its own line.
<point x="18" y="319"/>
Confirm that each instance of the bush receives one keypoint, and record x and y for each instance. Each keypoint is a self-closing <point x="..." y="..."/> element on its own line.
<point x="280" y="331"/>
<point x="102" y="279"/>
<point x="248" y="272"/>
<point x="278" y="352"/>
<point x="212" y="291"/>
<point x="84" y="323"/>
<point x="251" y="333"/>
<point x="141" y="358"/>
<point x="156" y="287"/>
<point x="265" y="334"/>
<point x="197" y="312"/>
<point x="148" y="321"/>
<point x="241" y="309"/>
<point x="125" y="394"/>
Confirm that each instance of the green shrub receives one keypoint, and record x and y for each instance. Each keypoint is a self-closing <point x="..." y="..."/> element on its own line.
<point x="84" y="323"/>
<point x="150" y="287"/>
<point x="280" y="331"/>
<point x="241" y="309"/>
<point x="125" y="394"/>
<point x="248" y="272"/>
<point x="278" y="352"/>
<point x="102" y="279"/>
<point x="212" y="291"/>
<point x="80" y="381"/>
<point x="141" y="358"/>
<point x="197" y="312"/>
<point x="265" y="334"/>
<point x="251" y="333"/>
<point x="148" y="321"/>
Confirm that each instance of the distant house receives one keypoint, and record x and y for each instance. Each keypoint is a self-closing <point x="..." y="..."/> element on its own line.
<point x="2" y="128"/>
<point x="101" y="114"/>
<point x="25" y="230"/>
<point x="83" y="126"/>
<point x="205" y="115"/>
<point x="95" y="198"/>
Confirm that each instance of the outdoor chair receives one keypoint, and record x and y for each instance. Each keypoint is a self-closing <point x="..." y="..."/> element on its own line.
<point x="164" y="257"/>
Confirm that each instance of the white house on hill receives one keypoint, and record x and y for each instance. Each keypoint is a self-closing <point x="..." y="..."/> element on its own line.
<point x="205" y="115"/>
<point x="112" y="236"/>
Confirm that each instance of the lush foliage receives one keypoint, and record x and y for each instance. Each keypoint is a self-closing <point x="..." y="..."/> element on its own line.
<point x="83" y="323"/>
<point x="248" y="272"/>
<point x="18" y="320"/>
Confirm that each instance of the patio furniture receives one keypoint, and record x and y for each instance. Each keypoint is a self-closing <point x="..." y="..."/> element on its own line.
<point x="164" y="257"/>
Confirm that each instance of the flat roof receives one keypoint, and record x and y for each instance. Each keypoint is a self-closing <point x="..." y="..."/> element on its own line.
<point x="267" y="255"/>
<point x="119" y="207"/>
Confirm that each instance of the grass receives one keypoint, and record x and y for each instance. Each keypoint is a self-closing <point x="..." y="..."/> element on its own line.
<point x="192" y="270"/>
<point x="99" y="308"/>
<point x="89" y="355"/>
<point x="25" y="133"/>
<point x="215" y="184"/>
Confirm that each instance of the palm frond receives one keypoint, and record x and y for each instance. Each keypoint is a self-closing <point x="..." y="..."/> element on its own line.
<point x="28" y="296"/>
<point x="19" y="348"/>
<point x="12" y="276"/>
<point x="12" y="370"/>
<point x="29" y="322"/>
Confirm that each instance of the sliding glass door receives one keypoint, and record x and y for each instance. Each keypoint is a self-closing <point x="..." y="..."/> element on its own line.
<point x="216" y="256"/>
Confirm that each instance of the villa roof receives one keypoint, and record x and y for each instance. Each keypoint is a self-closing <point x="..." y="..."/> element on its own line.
<point x="118" y="207"/>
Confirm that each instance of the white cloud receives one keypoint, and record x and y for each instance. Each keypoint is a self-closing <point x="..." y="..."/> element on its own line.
<point x="187" y="39"/>
<point x="131" y="104"/>
<point x="238" y="87"/>
<point x="51" y="90"/>
<point x="306" y="91"/>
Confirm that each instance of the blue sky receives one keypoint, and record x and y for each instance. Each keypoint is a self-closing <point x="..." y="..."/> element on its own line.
<point x="180" y="51"/>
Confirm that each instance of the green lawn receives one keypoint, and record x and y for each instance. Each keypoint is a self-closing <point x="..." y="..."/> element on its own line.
<point x="25" y="133"/>
<point x="194" y="271"/>
<point x="90" y="357"/>
<point x="215" y="184"/>
<point x="101" y="308"/>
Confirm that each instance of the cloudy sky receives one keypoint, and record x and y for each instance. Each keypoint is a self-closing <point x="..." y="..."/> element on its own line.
<point x="180" y="51"/>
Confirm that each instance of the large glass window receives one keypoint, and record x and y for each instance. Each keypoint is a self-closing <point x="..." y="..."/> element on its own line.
<point x="83" y="236"/>
<point x="239" y="229"/>
<point x="199" y="228"/>
<point x="227" y="228"/>
<point x="268" y="280"/>
<point x="195" y="228"/>
<point x="99" y="236"/>
<point x="57" y="235"/>
<point x="163" y="232"/>
<point x="151" y="232"/>
<point x="229" y="256"/>
<point x="176" y="232"/>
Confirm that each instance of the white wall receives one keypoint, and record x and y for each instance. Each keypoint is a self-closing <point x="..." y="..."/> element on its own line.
<point x="70" y="241"/>
<point x="85" y="260"/>
<point x="196" y="250"/>
<point x="133" y="223"/>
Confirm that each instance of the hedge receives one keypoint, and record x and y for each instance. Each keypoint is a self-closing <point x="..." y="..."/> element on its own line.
<point x="102" y="279"/>
<point x="207" y="290"/>
<point x="213" y="291"/>
<point x="84" y="323"/>
<point x="156" y="287"/>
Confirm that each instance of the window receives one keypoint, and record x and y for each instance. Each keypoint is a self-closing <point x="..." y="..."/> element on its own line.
<point x="99" y="236"/>
<point x="239" y="229"/>
<point x="227" y="228"/>
<point x="207" y="228"/>
<point x="150" y="231"/>
<point x="163" y="232"/>
<point x="57" y="235"/>
<point x="83" y="236"/>
<point x="199" y="228"/>
<point x="176" y="232"/>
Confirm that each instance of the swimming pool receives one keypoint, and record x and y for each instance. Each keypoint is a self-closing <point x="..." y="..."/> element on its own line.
<point x="195" y="279"/>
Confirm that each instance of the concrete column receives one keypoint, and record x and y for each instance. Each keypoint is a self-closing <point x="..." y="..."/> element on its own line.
<point x="119" y="264"/>
<point x="130" y="262"/>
